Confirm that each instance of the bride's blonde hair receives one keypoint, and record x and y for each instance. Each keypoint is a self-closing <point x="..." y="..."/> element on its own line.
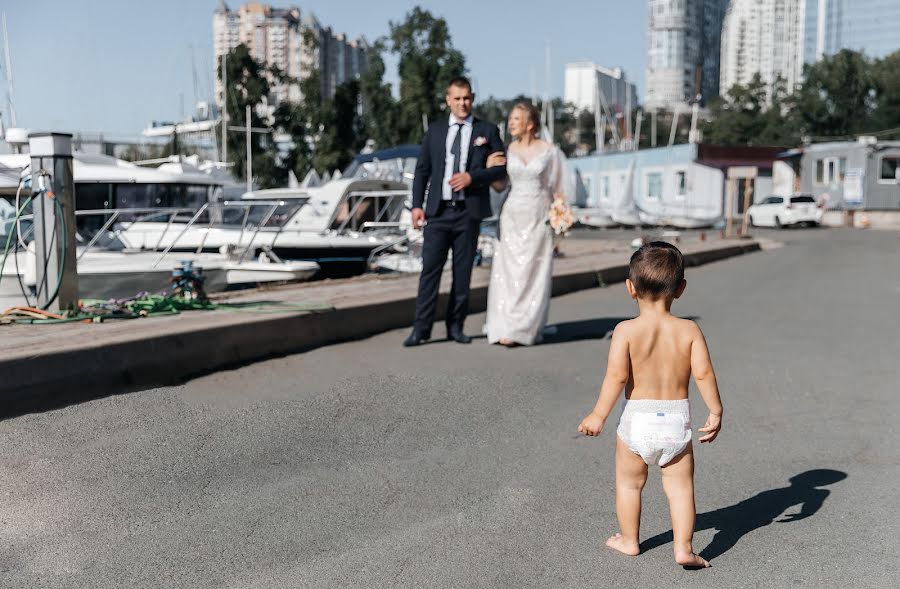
<point x="534" y="115"/>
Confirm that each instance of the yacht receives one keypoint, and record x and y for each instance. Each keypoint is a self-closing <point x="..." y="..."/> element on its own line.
<point x="336" y="225"/>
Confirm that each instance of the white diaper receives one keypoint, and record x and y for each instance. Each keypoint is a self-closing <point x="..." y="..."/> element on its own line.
<point x="656" y="430"/>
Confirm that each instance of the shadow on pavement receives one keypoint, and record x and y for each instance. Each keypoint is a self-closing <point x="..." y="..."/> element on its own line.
<point x="733" y="522"/>
<point x="572" y="331"/>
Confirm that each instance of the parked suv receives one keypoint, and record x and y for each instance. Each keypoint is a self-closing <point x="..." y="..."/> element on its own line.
<point x="779" y="211"/>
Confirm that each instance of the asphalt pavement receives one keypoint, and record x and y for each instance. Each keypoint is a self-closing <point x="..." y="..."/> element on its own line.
<point x="368" y="465"/>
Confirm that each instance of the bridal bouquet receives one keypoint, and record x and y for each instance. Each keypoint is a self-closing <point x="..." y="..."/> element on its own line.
<point x="561" y="217"/>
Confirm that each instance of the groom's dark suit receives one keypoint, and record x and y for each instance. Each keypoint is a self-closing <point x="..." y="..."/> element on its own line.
<point x="453" y="223"/>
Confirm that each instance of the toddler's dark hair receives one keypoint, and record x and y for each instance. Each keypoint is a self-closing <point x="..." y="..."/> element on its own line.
<point x="657" y="270"/>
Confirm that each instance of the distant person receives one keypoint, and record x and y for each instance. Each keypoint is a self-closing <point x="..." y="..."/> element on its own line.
<point x="653" y="357"/>
<point x="452" y="166"/>
<point x="522" y="265"/>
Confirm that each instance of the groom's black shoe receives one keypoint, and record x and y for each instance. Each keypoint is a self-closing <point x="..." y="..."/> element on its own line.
<point x="456" y="334"/>
<point x="416" y="338"/>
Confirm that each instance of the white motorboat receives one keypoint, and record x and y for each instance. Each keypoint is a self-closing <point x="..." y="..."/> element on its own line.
<point x="336" y="225"/>
<point x="119" y="274"/>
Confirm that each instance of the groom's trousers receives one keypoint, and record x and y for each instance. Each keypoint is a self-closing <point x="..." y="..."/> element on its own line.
<point x="451" y="228"/>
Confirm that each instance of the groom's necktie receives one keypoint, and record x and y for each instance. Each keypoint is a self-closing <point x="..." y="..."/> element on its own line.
<point x="454" y="150"/>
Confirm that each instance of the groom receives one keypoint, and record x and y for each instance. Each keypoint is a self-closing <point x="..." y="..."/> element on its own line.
<point x="453" y="165"/>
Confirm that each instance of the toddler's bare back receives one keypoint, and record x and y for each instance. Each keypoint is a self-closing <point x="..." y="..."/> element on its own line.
<point x="659" y="352"/>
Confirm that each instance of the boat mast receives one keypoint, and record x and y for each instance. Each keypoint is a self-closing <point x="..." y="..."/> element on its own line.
<point x="9" y="76"/>
<point x="224" y="114"/>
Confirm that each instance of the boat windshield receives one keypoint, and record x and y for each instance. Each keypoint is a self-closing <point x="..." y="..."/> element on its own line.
<point x="257" y="216"/>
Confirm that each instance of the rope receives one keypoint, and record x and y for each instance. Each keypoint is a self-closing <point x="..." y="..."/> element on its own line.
<point x="150" y="305"/>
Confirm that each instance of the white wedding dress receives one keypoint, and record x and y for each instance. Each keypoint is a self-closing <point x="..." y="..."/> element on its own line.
<point x="522" y="266"/>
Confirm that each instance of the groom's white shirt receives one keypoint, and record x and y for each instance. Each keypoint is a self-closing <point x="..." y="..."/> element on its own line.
<point x="463" y="152"/>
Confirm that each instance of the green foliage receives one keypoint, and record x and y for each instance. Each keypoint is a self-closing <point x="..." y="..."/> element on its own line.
<point x="427" y="62"/>
<point x="247" y="85"/>
<point x="379" y="107"/>
<point x="842" y="95"/>
<point x="743" y="116"/>
<point x="886" y="114"/>
<point x="836" y="95"/>
<point x="341" y="132"/>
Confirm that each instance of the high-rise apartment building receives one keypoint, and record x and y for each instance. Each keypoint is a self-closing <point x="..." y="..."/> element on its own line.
<point x="764" y="37"/>
<point x="713" y="16"/>
<point x="275" y="38"/>
<point x="870" y="26"/>
<point x="683" y="51"/>
<point x="675" y="52"/>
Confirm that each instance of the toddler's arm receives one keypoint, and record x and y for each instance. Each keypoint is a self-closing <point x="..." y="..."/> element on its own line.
<point x="617" y="373"/>
<point x="705" y="377"/>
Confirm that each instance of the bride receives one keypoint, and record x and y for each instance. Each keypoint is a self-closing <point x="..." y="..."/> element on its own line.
<point x="522" y="266"/>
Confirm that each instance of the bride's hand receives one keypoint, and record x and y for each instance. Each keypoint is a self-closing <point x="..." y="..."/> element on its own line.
<point x="498" y="158"/>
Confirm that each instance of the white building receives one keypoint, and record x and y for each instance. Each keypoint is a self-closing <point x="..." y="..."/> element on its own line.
<point x="584" y="79"/>
<point x="765" y="37"/>
<point x="275" y="37"/>
<point x="675" y="53"/>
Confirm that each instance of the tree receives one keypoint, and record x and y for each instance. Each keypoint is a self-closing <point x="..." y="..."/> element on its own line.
<point x="302" y="121"/>
<point x="341" y="135"/>
<point x="737" y="118"/>
<point x="379" y="107"/>
<point x="247" y="86"/>
<point x="427" y="63"/>
<point x="837" y="95"/>
<point x="886" y="73"/>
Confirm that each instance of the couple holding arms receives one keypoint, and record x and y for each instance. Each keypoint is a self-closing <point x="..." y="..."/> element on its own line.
<point x="461" y="157"/>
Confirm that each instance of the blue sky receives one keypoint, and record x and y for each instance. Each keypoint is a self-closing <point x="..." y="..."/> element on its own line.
<point x="112" y="66"/>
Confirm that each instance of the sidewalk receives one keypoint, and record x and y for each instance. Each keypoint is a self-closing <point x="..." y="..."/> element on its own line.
<point x="46" y="365"/>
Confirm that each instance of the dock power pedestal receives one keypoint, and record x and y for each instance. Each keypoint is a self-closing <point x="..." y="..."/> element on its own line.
<point x="53" y="191"/>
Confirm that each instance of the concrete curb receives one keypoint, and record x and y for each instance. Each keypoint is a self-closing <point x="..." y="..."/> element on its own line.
<point x="61" y="377"/>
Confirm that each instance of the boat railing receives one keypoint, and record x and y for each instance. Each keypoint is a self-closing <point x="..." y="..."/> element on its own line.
<point x="246" y="205"/>
<point x="407" y="239"/>
<point x="128" y="217"/>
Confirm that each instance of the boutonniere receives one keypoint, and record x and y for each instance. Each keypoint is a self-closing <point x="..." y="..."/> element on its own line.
<point x="479" y="141"/>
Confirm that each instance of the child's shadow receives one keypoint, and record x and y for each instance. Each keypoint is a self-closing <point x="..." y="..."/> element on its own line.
<point x="733" y="522"/>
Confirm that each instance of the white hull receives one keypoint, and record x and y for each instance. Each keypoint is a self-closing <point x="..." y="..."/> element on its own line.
<point x="594" y="217"/>
<point x="105" y="275"/>
<point x="254" y="272"/>
<point x="399" y="263"/>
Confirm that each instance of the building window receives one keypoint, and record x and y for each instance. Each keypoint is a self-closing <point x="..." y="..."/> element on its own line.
<point x="654" y="185"/>
<point x="890" y="169"/>
<point x="681" y="183"/>
<point x="830" y="170"/>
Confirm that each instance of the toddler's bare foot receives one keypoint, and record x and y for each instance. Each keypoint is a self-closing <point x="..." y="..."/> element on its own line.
<point x="689" y="559"/>
<point x="619" y="543"/>
<point x="506" y="342"/>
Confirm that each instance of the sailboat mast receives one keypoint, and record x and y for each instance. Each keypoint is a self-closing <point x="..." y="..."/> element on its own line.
<point x="224" y="114"/>
<point x="9" y="76"/>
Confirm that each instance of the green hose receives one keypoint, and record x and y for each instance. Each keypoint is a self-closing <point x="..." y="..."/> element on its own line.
<point x="9" y="237"/>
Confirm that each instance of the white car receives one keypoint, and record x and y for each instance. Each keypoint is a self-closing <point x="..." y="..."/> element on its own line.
<point x="780" y="211"/>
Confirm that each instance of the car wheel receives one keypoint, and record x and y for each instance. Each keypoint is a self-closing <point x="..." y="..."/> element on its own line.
<point x="778" y="223"/>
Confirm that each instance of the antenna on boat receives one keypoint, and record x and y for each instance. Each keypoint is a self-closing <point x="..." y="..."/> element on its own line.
<point x="533" y="86"/>
<point x="223" y="116"/>
<point x="636" y="139"/>
<point x="693" y="136"/>
<point x="674" y="127"/>
<point x="196" y="78"/>
<point x="9" y="76"/>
